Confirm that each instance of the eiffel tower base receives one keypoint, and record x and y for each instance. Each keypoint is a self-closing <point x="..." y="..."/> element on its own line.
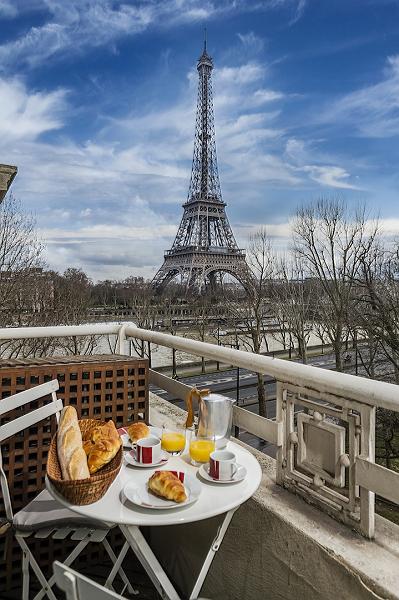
<point x="194" y="269"/>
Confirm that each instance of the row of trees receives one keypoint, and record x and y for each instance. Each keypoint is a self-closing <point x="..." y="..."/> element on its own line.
<point x="337" y="281"/>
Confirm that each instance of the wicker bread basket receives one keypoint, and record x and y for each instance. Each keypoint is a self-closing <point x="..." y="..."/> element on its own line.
<point x="82" y="491"/>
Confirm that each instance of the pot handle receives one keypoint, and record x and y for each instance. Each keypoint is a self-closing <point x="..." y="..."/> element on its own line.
<point x="194" y="392"/>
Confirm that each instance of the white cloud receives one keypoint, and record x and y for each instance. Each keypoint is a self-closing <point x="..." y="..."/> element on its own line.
<point x="330" y="176"/>
<point x="251" y="42"/>
<point x="300" y="9"/>
<point x="8" y="9"/>
<point x="263" y="96"/>
<point x="26" y="115"/>
<point x="75" y="26"/>
<point x="240" y="75"/>
<point x="301" y="153"/>
<point x="371" y="111"/>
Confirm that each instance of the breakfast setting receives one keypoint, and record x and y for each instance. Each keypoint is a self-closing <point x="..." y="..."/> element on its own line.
<point x="87" y="455"/>
<point x="153" y="476"/>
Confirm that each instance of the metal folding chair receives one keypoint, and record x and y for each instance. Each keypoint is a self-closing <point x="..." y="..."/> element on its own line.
<point x="44" y="517"/>
<point x="79" y="587"/>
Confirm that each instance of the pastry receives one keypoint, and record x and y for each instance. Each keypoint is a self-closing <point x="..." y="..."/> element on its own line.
<point x="87" y="445"/>
<point x="102" y="446"/>
<point x="71" y="456"/>
<point x="137" y="431"/>
<point x="167" y="485"/>
<point x="107" y="431"/>
<point x="101" y="453"/>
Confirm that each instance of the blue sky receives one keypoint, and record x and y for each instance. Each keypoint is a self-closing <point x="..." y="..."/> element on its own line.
<point x="97" y="109"/>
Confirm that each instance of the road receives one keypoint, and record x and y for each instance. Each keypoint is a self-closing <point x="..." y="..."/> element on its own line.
<point x="226" y="382"/>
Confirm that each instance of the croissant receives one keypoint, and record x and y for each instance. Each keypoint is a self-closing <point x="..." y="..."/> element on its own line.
<point x="101" y="453"/>
<point x="167" y="485"/>
<point x="107" y="431"/>
<point x="87" y="446"/>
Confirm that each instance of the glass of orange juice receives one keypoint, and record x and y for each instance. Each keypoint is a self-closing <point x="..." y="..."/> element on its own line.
<point x="173" y="439"/>
<point x="201" y="447"/>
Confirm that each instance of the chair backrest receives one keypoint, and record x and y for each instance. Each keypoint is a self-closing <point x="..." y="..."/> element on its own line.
<point x="17" y="425"/>
<point x="79" y="587"/>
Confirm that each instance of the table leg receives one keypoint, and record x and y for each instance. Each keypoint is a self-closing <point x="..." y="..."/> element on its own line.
<point x="211" y="554"/>
<point x="149" y="561"/>
<point x="154" y="569"/>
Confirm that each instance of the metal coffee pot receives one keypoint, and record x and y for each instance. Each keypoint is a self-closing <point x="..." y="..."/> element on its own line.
<point x="215" y="415"/>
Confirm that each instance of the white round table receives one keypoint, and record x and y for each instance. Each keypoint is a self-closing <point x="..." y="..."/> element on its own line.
<point x="215" y="499"/>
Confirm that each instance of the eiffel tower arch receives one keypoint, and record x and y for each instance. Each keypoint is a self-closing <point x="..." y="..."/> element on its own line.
<point x="204" y="244"/>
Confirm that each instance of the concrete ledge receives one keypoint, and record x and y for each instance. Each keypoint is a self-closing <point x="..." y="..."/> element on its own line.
<point x="278" y="547"/>
<point x="7" y="174"/>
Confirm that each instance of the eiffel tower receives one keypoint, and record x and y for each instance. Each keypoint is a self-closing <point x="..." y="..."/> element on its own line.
<point x="204" y="246"/>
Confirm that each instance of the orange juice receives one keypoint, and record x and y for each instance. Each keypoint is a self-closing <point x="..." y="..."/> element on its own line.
<point x="173" y="441"/>
<point x="200" y="450"/>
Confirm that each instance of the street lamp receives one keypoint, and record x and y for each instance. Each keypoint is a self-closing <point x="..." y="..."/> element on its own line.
<point x="217" y="362"/>
<point x="237" y="347"/>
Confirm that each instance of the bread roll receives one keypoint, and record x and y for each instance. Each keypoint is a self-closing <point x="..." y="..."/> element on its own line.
<point x="71" y="455"/>
<point x="137" y="431"/>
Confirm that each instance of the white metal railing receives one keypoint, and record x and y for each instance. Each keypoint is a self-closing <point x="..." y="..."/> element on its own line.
<point x="326" y="453"/>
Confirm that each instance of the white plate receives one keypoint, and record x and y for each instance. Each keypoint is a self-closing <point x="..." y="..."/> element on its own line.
<point x="127" y="443"/>
<point x="239" y="476"/>
<point x="139" y="494"/>
<point x="129" y="457"/>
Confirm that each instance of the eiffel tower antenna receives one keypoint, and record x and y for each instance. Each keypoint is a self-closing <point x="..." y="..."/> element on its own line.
<point x="204" y="245"/>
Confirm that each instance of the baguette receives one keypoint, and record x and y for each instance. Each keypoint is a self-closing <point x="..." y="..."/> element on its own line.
<point x="71" y="456"/>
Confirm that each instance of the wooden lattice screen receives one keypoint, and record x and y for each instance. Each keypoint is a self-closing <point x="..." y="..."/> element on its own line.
<point x="101" y="387"/>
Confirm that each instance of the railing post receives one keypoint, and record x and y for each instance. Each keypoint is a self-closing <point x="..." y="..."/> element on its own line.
<point x="281" y="401"/>
<point x="121" y="342"/>
<point x="367" y="450"/>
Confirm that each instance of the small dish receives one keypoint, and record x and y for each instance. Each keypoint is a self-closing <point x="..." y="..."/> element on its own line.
<point x="126" y="441"/>
<point x="239" y="476"/>
<point x="138" y="494"/>
<point x="131" y="459"/>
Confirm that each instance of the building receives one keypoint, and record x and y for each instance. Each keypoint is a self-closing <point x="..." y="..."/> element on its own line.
<point x="7" y="175"/>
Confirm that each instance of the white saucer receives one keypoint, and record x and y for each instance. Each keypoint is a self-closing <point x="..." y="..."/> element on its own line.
<point x="127" y="443"/>
<point x="138" y="494"/>
<point x="132" y="461"/>
<point x="239" y="476"/>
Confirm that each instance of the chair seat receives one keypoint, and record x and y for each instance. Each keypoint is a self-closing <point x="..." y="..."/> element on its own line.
<point x="45" y="512"/>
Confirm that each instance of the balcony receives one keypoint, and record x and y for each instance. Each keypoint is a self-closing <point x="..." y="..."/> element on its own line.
<point x="311" y="529"/>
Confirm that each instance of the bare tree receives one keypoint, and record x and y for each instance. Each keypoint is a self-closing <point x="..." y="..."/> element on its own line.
<point x="294" y="305"/>
<point x="20" y="255"/>
<point x="377" y="306"/>
<point x="330" y="243"/>
<point x="72" y="301"/>
<point x="144" y="304"/>
<point x="249" y="314"/>
<point x="202" y="310"/>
